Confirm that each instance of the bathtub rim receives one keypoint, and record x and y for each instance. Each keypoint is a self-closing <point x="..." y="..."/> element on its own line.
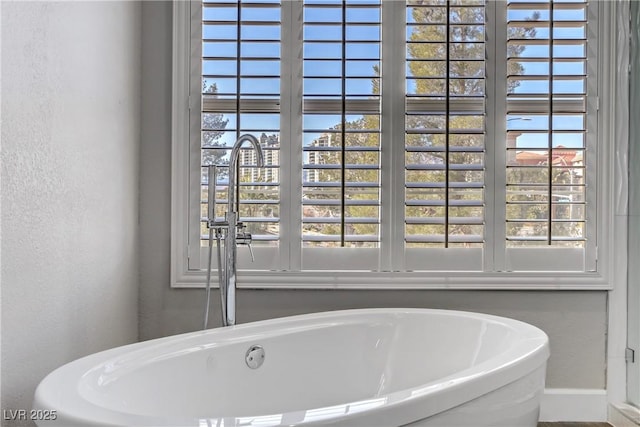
<point x="454" y="389"/>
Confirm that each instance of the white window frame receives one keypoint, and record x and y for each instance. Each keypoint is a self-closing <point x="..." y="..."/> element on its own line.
<point x="610" y="182"/>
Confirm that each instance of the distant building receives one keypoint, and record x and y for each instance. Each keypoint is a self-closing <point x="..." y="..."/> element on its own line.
<point x="315" y="157"/>
<point x="560" y="156"/>
<point x="271" y="153"/>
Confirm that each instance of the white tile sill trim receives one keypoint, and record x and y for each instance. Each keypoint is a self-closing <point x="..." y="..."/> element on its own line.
<point x="404" y="280"/>
<point x="574" y="405"/>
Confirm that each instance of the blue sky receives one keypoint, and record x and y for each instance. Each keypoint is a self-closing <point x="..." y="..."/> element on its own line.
<point x="323" y="67"/>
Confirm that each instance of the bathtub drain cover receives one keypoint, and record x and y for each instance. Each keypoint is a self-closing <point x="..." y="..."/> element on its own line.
<point x="255" y="356"/>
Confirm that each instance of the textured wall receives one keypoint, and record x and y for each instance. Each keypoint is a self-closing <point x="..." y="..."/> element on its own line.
<point x="575" y="321"/>
<point x="70" y="140"/>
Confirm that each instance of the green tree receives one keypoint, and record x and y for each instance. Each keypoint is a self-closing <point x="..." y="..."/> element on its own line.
<point x="462" y="78"/>
<point x="428" y="75"/>
<point x="359" y="136"/>
<point x="213" y="128"/>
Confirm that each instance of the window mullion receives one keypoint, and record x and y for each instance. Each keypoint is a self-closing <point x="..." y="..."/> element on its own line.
<point x="291" y="134"/>
<point x="495" y="189"/>
<point x="392" y="230"/>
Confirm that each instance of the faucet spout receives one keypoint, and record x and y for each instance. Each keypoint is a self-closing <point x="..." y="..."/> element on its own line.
<point x="233" y="166"/>
<point x="228" y="287"/>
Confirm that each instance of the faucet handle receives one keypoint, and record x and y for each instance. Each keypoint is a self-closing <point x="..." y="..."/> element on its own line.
<point x="245" y="238"/>
<point x="253" y="259"/>
<point x="242" y="237"/>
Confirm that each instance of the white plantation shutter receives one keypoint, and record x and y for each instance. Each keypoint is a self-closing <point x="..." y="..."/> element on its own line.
<point x="399" y="136"/>
<point x="341" y="134"/>
<point x="241" y="68"/>
<point x="548" y="139"/>
<point x="445" y="131"/>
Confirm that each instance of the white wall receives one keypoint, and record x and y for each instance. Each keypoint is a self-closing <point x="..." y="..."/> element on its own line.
<point x="70" y="141"/>
<point x="574" y="321"/>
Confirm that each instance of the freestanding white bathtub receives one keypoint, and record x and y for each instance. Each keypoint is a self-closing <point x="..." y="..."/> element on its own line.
<point x="373" y="367"/>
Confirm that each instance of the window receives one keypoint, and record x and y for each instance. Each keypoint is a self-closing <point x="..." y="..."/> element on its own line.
<point x="452" y="137"/>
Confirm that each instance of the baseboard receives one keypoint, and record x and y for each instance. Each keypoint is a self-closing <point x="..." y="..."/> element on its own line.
<point x="623" y="415"/>
<point x="573" y="404"/>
